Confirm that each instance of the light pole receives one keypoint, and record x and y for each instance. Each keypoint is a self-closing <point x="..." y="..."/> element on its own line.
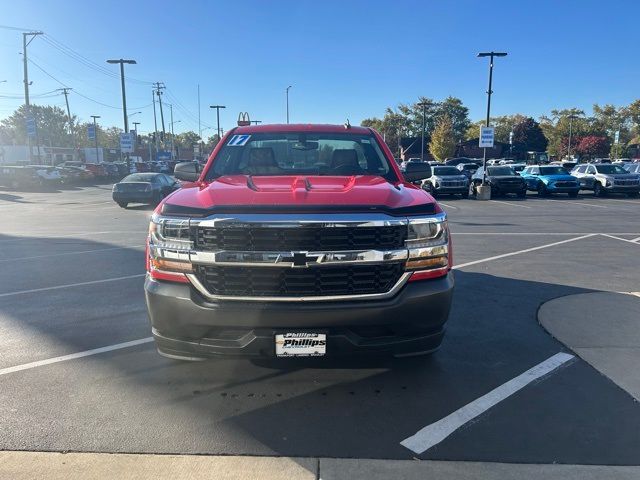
<point x="288" y="102"/>
<point x="491" y="55"/>
<point x="95" y="134"/>
<point x="424" y="106"/>
<point x="121" y="61"/>
<point x="218" y="107"/>
<point x="571" y="117"/>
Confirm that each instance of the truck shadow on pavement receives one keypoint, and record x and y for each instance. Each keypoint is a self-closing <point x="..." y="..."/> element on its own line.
<point x="133" y="400"/>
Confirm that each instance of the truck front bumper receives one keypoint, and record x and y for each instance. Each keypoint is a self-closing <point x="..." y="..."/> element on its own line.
<point x="185" y="325"/>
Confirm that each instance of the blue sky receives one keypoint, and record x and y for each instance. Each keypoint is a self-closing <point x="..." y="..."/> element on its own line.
<point x="345" y="59"/>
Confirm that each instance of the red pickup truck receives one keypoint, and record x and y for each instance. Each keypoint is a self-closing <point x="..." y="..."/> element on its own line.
<point x="298" y="240"/>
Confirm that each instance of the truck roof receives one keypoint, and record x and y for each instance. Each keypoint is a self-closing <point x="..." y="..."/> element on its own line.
<point x="301" y="127"/>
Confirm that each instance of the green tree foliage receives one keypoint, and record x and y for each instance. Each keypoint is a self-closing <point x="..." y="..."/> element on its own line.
<point x="503" y="125"/>
<point x="406" y="120"/>
<point x="443" y="142"/>
<point x="528" y="137"/>
<point x="51" y="122"/>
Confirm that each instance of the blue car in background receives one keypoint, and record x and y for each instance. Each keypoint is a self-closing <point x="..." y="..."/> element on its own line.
<point x="547" y="179"/>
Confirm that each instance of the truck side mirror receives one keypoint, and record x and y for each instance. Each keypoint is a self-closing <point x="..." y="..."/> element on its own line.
<point x="187" y="171"/>
<point x="415" y="171"/>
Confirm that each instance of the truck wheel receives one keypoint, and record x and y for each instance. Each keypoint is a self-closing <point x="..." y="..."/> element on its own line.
<point x="573" y="194"/>
<point x="123" y="204"/>
<point x="464" y="195"/>
<point x="522" y="194"/>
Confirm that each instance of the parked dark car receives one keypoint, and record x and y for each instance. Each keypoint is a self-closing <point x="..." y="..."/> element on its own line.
<point x="147" y="188"/>
<point x="467" y="169"/>
<point x="502" y="180"/>
<point x="458" y="160"/>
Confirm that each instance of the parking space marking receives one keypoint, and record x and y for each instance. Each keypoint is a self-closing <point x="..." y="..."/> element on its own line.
<point x="575" y="203"/>
<point x="449" y="206"/>
<point x="435" y="433"/>
<point x="635" y="240"/>
<point x="73" y="356"/>
<point x="69" y="285"/>
<point x="69" y="253"/>
<point x="510" y="204"/>
<point x="621" y="239"/>
<point x="527" y="250"/>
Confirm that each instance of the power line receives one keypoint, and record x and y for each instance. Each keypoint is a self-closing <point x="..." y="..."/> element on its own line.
<point x="85" y="61"/>
<point x="7" y="27"/>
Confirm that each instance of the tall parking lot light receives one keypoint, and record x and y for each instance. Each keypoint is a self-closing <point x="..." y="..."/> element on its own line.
<point x="491" y="55"/>
<point x="424" y="106"/>
<point x="571" y="118"/>
<point x="95" y="134"/>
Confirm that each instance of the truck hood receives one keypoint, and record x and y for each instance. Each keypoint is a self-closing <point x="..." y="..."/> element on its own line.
<point x="559" y="178"/>
<point x="265" y="191"/>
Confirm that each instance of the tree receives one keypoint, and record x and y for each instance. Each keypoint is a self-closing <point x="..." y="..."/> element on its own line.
<point x="502" y="124"/>
<point x="443" y="142"/>
<point x="593" y="146"/>
<point x="528" y="137"/>
<point x="51" y="123"/>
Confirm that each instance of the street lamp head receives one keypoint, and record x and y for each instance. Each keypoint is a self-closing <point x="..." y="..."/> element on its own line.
<point x="121" y="60"/>
<point x="492" y="54"/>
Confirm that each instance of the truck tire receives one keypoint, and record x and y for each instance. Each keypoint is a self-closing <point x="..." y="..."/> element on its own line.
<point x="123" y="204"/>
<point x="542" y="190"/>
<point x="573" y="194"/>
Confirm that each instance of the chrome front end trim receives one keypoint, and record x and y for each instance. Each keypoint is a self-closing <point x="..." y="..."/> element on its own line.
<point x="288" y="259"/>
<point x="328" y="298"/>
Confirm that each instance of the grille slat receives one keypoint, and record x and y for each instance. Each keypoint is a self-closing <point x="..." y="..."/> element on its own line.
<point x="314" y="281"/>
<point x="302" y="238"/>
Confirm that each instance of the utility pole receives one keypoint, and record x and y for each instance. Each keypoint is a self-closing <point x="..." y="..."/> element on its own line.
<point x="199" y="124"/>
<point x="424" y="106"/>
<point x="218" y="107"/>
<point x="288" y="102"/>
<point x="65" y="92"/>
<point x="155" y="122"/>
<point x="95" y="135"/>
<point x="491" y="55"/>
<point x="159" y="87"/>
<point x="25" y="44"/>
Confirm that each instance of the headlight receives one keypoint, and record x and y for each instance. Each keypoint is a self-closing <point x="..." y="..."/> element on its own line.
<point x="115" y="188"/>
<point x="428" y="244"/>
<point x="608" y="183"/>
<point x="169" y="248"/>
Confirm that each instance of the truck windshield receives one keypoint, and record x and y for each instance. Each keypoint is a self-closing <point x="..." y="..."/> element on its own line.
<point x="263" y="154"/>
<point x="609" y="169"/>
<point x="446" y="171"/>
<point x="497" y="171"/>
<point x="552" y="171"/>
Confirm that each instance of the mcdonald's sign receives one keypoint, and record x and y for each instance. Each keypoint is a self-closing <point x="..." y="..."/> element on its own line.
<point x="243" y="119"/>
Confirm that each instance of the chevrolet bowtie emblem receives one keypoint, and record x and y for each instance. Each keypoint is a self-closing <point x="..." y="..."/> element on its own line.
<point x="299" y="259"/>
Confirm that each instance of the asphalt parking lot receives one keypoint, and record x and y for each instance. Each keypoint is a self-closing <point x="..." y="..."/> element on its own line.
<point x="72" y="269"/>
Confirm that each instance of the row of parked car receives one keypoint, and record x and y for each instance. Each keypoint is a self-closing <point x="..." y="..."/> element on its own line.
<point x="463" y="176"/>
<point x="73" y="173"/>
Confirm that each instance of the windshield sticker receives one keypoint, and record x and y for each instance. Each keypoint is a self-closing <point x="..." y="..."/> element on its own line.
<point x="238" y="140"/>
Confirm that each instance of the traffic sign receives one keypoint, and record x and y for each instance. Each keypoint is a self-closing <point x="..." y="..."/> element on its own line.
<point x="617" y="136"/>
<point x="127" y="142"/>
<point x="91" y="132"/>
<point x="486" y="137"/>
<point x="31" y="126"/>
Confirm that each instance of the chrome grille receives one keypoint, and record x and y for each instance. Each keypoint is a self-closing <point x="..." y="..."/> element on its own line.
<point x="258" y="239"/>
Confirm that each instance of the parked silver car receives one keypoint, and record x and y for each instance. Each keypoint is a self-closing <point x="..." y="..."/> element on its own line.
<point x="605" y="178"/>
<point x="448" y="180"/>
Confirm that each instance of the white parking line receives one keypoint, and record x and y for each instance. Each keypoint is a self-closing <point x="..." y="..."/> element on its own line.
<point x="510" y="204"/>
<point x="69" y="253"/>
<point x="449" y="206"/>
<point x="69" y="285"/>
<point x="576" y="203"/>
<point x="635" y="240"/>
<point x="435" y="433"/>
<point x="621" y="239"/>
<point x="73" y="356"/>
<point x="527" y="250"/>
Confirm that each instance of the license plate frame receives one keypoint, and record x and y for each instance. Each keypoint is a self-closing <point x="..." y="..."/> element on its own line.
<point x="297" y="344"/>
